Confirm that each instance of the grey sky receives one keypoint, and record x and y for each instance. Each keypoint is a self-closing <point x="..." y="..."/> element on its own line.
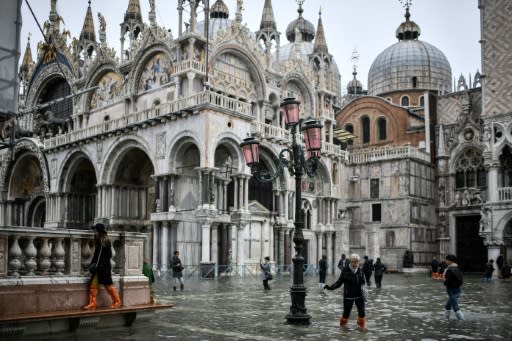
<point x="368" y="25"/>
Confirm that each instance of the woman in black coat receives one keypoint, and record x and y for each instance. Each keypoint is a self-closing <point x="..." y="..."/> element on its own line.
<point x="353" y="280"/>
<point x="100" y="268"/>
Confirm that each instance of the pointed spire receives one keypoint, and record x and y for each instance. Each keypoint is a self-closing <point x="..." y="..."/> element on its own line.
<point x="268" y="22"/>
<point x="320" y="43"/>
<point x="27" y="57"/>
<point x="88" y="32"/>
<point x="133" y="11"/>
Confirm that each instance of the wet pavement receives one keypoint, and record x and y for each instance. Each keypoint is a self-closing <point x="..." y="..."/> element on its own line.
<point x="408" y="307"/>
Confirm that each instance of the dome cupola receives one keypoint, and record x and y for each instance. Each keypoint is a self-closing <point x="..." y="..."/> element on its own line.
<point x="300" y="26"/>
<point x="409" y="64"/>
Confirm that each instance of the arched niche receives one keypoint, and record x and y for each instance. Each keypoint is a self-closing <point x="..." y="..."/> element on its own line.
<point x="26" y="179"/>
<point x="110" y="89"/>
<point x="78" y="183"/>
<point x="186" y="161"/>
<point x="156" y="72"/>
<point x="133" y="186"/>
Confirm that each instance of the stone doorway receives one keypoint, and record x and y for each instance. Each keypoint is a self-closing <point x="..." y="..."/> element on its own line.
<point x="471" y="251"/>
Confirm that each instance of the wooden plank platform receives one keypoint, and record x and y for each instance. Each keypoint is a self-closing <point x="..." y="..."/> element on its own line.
<point x="54" y="315"/>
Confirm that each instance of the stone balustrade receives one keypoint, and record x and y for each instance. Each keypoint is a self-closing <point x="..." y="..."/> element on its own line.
<point x="505" y="194"/>
<point x="387" y="153"/>
<point x="280" y="135"/>
<point x="148" y="115"/>
<point x="187" y="65"/>
<point x="44" y="252"/>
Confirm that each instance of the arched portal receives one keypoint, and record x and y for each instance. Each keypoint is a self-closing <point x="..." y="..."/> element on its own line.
<point x="26" y="191"/>
<point x="80" y="194"/>
<point x="133" y="189"/>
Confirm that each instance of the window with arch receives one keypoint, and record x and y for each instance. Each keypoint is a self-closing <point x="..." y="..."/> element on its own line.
<point x="404" y="102"/>
<point x="389" y="99"/>
<point x="57" y="88"/>
<point x="506" y="167"/>
<point x="350" y="128"/>
<point x="365" y="129"/>
<point x="470" y="171"/>
<point x="414" y="82"/>
<point x="382" y="128"/>
<point x="422" y="101"/>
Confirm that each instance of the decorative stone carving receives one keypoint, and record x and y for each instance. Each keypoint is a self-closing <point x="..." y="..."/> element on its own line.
<point x="469" y="197"/>
<point x="485" y="217"/>
<point x="160" y="145"/>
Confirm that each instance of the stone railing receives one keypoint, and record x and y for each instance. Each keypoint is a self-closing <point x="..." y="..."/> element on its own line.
<point x="281" y="135"/>
<point x="505" y="193"/>
<point x="145" y="116"/>
<point x="387" y="153"/>
<point x="30" y="251"/>
<point x="186" y="65"/>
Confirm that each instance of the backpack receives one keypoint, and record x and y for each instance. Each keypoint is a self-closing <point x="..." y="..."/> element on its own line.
<point x="457" y="275"/>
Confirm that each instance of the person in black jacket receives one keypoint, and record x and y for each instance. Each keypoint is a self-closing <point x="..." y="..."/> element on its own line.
<point x="100" y="268"/>
<point x="322" y="271"/>
<point x="353" y="280"/>
<point x="453" y="281"/>
<point x="379" y="269"/>
<point x="367" y="270"/>
<point x="343" y="262"/>
<point x="177" y="270"/>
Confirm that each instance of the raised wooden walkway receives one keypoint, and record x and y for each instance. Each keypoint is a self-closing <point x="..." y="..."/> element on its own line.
<point x="52" y="315"/>
<point x="52" y="322"/>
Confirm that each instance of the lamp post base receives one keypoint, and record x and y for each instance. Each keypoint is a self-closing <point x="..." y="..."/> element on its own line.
<point x="302" y="319"/>
<point x="298" y="313"/>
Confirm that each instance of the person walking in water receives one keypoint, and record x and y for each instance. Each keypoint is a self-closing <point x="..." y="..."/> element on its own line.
<point x="177" y="270"/>
<point x="322" y="271"/>
<point x="353" y="280"/>
<point x="368" y="270"/>
<point x="453" y="281"/>
<point x="100" y="269"/>
<point x="379" y="269"/>
<point x="266" y="274"/>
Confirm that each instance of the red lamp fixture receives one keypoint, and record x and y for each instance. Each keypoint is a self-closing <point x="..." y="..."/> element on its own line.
<point x="290" y="108"/>
<point x="251" y="151"/>
<point x="312" y="137"/>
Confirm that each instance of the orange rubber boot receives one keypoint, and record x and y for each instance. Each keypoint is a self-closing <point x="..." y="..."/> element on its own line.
<point x="93" y="292"/>
<point x="361" y="324"/>
<point x="343" y="322"/>
<point x="116" y="301"/>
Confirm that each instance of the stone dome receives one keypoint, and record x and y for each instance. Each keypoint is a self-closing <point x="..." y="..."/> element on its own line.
<point x="354" y="86"/>
<point x="300" y="25"/>
<point x="219" y="10"/>
<point x="302" y="50"/>
<point x="410" y="64"/>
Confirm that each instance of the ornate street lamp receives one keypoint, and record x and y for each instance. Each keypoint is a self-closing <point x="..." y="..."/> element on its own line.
<point x="296" y="163"/>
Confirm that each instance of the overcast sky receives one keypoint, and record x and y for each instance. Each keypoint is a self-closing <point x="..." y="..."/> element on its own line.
<point x="369" y="26"/>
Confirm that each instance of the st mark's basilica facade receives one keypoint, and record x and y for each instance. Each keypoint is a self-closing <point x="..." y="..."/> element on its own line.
<point x="147" y="141"/>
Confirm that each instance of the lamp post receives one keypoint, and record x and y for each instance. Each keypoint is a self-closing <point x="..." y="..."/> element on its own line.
<point x="297" y="163"/>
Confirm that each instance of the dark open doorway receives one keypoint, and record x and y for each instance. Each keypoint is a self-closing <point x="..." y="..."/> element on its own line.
<point x="471" y="251"/>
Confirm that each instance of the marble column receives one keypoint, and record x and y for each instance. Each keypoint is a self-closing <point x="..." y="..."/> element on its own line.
<point x="205" y="242"/>
<point x="240" y="249"/>
<point x="331" y="262"/>
<point x="164" y="246"/>
<point x="156" y="240"/>
<point x="492" y="182"/>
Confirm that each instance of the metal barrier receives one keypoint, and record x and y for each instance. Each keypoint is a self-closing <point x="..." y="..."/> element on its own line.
<point x="251" y="270"/>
